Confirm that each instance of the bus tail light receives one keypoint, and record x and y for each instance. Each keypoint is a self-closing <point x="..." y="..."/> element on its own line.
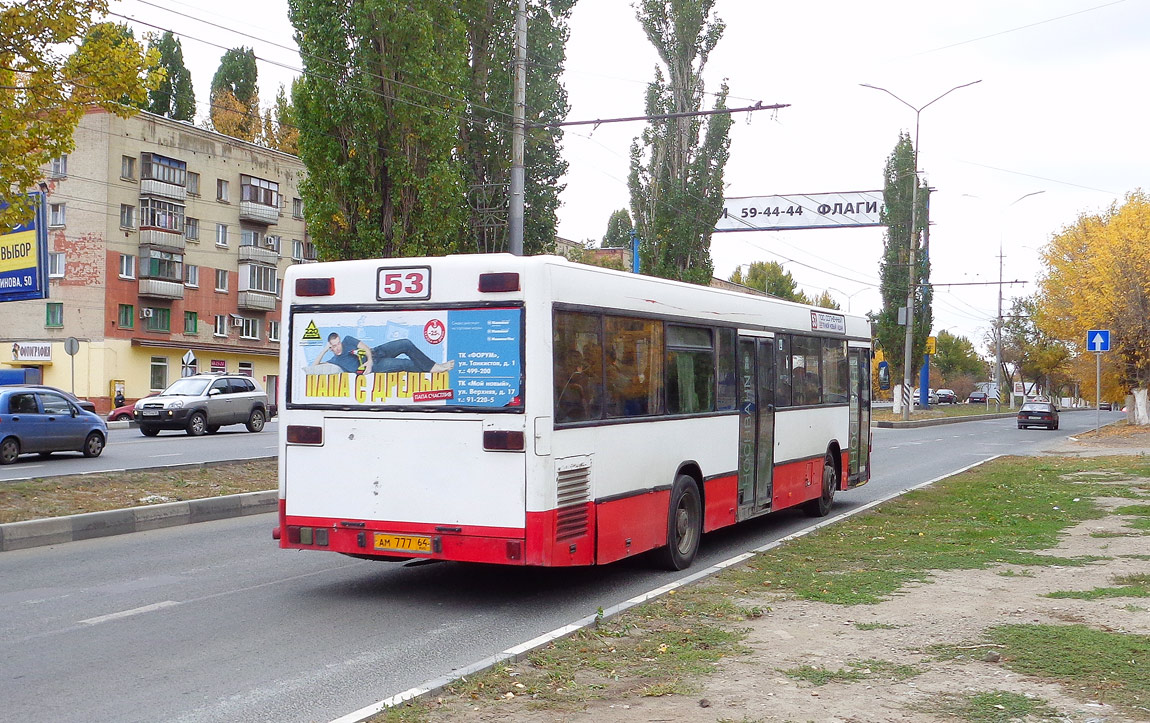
<point x="308" y="535"/>
<point x="300" y="434"/>
<point x="498" y="440"/>
<point x="499" y="282"/>
<point x="315" y="287"/>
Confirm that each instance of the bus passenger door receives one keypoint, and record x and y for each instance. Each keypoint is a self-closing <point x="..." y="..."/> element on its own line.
<point x="859" y="471"/>
<point x="756" y="424"/>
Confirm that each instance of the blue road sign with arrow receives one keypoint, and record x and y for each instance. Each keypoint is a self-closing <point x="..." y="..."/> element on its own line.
<point x="1098" y="340"/>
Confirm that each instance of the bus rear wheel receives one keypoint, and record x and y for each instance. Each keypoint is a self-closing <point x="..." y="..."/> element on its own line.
<point x="821" y="505"/>
<point x="684" y="525"/>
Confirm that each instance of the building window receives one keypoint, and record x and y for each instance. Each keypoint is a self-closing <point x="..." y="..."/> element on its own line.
<point x="302" y="251"/>
<point x="193" y="183"/>
<point x="221" y="190"/>
<point x="155" y="213"/>
<point x="127" y="316"/>
<point x="221" y="326"/>
<point x="128" y="168"/>
<point x="162" y="265"/>
<point x="192" y="229"/>
<point x="247" y="369"/>
<point x="273" y="331"/>
<point x="191" y="322"/>
<point x="251" y="237"/>
<point x="127" y="266"/>
<point x="221" y="234"/>
<point x="258" y="278"/>
<point x="258" y="190"/>
<point x="160" y="320"/>
<point x="55" y="265"/>
<point x="56" y="214"/>
<point x="279" y="288"/>
<point x="161" y="168"/>
<point x="59" y="167"/>
<point x="192" y="276"/>
<point x="221" y="280"/>
<point x="297" y="208"/>
<point x="55" y="314"/>
<point x="127" y="216"/>
<point x="251" y="328"/>
<point x="159" y="380"/>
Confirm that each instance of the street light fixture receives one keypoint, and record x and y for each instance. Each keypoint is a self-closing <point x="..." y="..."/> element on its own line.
<point x="912" y="282"/>
<point x="849" y="296"/>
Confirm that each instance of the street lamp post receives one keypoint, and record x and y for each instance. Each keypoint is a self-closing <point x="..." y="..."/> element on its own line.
<point x="998" y="321"/>
<point x="912" y="282"/>
<point x="849" y="296"/>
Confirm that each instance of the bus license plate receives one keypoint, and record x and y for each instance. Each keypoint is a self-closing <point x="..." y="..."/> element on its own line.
<point x="404" y="543"/>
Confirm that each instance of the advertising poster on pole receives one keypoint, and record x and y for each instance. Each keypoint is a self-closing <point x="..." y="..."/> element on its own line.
<point x="24" y="257"/>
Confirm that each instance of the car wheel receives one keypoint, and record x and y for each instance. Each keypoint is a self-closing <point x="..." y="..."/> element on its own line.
<point x="197" y="424"/>
<point x="684" y="525"/>
<point x="149" y="431"/>
<point x="821" y="506"/>
<point x="213" y="428"/>
<point x="122" y="418"/>
<point x="9" y="450"/>
<point x="94" y="445"/>
<point x="256" y="421"/>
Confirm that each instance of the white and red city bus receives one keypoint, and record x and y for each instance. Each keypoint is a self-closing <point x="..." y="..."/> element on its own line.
<point x="534" y="411"/>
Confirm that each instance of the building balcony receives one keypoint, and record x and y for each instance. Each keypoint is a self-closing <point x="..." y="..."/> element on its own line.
<point x="161" y="289"/>
<point x="151" y="187"/>
<point x="259" y="213"/>
<point x="257" y="301"/>
<point x="258" y="254"/>
<point x="165" y="239"/>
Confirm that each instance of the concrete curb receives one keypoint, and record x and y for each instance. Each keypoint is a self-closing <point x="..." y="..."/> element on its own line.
<point x="56" y="530"/>
<point x="917" y="423"/>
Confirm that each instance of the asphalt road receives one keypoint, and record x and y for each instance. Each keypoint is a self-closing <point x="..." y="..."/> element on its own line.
<point x="127" y="449"/>
<point x="212" y="622"/>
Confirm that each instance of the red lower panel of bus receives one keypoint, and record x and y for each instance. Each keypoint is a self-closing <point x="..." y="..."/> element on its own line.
<point x="585" y="535"/>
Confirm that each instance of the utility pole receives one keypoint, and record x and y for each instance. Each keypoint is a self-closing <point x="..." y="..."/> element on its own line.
<point x="912" y="270"/>
<point x="998" y="340"/>
<point x="519" y="111"/>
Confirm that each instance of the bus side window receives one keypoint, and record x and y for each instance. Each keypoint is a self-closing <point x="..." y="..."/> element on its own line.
<point x="578" y="369"/>
<point x="690" y="370"/>
<point x="634" y="372"/>
<point x="725" y="358"/>
<point x="805" y="355"/>
<point x="783" y="370"/>
<point x="836" y="371"/>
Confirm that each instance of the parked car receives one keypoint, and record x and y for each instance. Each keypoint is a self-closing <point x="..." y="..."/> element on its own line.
<point x="947" y="396"/>
<point x="45" y="420"/>
<point x="1105" y="406"/>
<point x="124" y="413"/>
<point x="81" y="403"/>
<point x="204" y="403"/>
<point x="1038" y="414"/>
<point x="931" y="397"/>
<point x="976" y="398"/>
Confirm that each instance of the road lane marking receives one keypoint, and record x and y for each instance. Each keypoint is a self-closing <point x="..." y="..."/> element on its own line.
<point x="170" y="454"/>
<point x="129" y="613"/>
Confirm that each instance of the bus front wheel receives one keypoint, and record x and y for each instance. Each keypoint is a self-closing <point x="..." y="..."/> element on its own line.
<point x="684" y="525"/>
<point x="821" y="505"/>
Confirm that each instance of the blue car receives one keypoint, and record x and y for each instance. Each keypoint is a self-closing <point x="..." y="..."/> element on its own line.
<point x="35" y="419"/>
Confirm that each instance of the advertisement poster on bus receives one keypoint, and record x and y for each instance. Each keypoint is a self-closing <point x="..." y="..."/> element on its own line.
<point x="24" y="257"/>
<point x="451" y="357"/>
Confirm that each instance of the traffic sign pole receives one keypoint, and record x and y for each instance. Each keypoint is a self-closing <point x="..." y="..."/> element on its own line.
<point x="1097" y="392"/>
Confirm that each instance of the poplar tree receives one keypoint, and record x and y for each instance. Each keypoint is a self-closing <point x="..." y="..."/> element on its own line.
<point x="770" y="277"/>
<point x="379" y="110"/>
<point x="235" y="95"/>
<point x="618" y="230"/>
<point x="174" y="97"/>
<point x="899" y="179"/>
<point x="676" y="178"/>
<point x="485" y="130"/>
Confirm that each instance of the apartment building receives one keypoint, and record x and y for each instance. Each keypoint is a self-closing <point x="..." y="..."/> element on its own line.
<point x="167" y="245"/>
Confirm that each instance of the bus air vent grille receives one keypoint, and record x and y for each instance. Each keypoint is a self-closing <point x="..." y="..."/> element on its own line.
<point x="574" y="490"/>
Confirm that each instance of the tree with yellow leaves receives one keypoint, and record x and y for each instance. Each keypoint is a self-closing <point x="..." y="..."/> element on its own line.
<point x="1098" y="277"/>
<point x="44" y="92"/>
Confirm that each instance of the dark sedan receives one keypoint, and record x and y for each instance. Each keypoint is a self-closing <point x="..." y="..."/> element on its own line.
<point x="1038" y="414"/>
<point x="35" y="419"/>
<point x="976" y="398"/>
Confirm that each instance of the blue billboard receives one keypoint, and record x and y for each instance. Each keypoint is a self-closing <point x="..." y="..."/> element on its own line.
<point x="24" y="257"/>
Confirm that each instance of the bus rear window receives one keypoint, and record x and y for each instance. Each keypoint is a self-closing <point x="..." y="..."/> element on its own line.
<point x="449" y="358"/>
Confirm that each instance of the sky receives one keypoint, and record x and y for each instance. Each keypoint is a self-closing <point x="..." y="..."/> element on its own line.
<point x="1054" y="129"/>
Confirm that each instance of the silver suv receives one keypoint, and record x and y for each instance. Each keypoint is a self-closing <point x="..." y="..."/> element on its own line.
<point x="204" y="403"/>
